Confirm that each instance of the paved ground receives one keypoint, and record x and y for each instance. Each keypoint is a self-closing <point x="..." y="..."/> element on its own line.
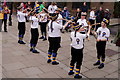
<point x="18" y="62"/>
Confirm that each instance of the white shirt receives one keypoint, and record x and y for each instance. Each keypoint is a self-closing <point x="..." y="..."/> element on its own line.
<point x="82" y="22"/>
<point x="34" y="23"/>
<point x="60" y="17"/>
<point x="21" y="16"/>
<point x="92" y="15"/>
<point x="42" y="17"/>
<point x="103" y="33"/>
<point x="77" y="42"/>
<point x="51" y="8"/>
<point x="56" y="29"/>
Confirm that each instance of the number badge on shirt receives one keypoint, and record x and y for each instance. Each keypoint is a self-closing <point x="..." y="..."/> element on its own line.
<point x="103" y="34"/>
<point x="78" y="41"/>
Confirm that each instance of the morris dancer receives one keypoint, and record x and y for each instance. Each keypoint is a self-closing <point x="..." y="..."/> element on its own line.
<point x="21" y="24"/>
<point x="77" y="46"/>
<point x="102" y="35"/>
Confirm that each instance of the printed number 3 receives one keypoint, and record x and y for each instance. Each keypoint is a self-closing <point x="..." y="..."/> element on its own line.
<point x="103" y="34"/>
<point x="78" y="40"/>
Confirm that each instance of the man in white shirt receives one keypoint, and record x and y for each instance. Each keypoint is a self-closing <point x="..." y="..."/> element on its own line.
<point x="52" y="8"/>
<point x="82" y="21"/>
<point x="77" y="46"/>
<point x="34" y="32"/>
<point x="43" y="18"/>
<point x="103" y="34"/>
<point x="54" y="38"/>
<point x="21" y="24"/>
<point x="92" y="15"/>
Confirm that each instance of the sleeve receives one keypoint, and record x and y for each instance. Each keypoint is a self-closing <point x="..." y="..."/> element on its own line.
<point x="24" y="14"/>
<point x="49" y="9"/>
<point x="78" y="21"/>
<point x="90" y="13"/>
<point x="108" y="34"/>
<point x="30" y="18"/>
<point x="56" y="8"/>
<point x="59" y="26"/>
<point x="84" y="36"/>
<point x="98" y="30"/>
<point x="85" y="23"/>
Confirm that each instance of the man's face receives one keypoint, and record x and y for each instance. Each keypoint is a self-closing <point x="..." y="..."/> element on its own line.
<point x="100" y="8"/>
<point x="78" y="10"/>
<point x="103" y="24"/>
<point x="28" y="2"/>
<point x="84" y="3"/>
<point x="22" y="4"/>
<point x="36" y="2"/>
<point x="65" y="8"/>
<point x="43" y="3"/>
<point x="82" y="17"/>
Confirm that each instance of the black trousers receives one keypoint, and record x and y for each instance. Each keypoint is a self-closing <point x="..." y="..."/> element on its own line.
<point x="43" y="27"/>
<point x="10" y="20"/>
<point x="21" y="28"/>
<point x="101" y="45"/>
<point x="34" y="36"/>
<point x="54" y="44"/>
<point x="76" y="57"/>
<point x="5" y="24"/>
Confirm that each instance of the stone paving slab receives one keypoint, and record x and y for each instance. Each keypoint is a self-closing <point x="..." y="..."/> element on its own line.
<point x="13" y="66"/>
<point x="95" y="73"/>
<point x="15" y="74"/>
<point x="32" y="71"/>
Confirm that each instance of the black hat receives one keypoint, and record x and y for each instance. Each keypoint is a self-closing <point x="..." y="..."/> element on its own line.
<point x="53" y="16"/>
<point x="83" y="14"/>
<point x="105" y="21"/>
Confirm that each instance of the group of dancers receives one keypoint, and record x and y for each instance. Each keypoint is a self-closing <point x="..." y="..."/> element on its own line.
<point x="52" y="19"/>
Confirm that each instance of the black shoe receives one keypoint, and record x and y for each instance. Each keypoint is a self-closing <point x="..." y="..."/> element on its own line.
<point x="49" y="61"/>
<point x="18" y="41"/>
<point x="41" y="37"/>
<point x="70" y="73"/>
<point x="27" y="20"/>
<point x="97" y="63"/>
<point x="55" y="63"/>
<point x="44" y="39"/>
<point x="77" y="77"/>
<point x="69" y="31"/>
<point x="5" y="31"/>
<point x="31" y="49"/>
<point x="101" y="66"/>
<point x="10" y="23"/>
<point x="22" y="42"/>
<point x="63" y="32"/>
<point x="35" y="51"/>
